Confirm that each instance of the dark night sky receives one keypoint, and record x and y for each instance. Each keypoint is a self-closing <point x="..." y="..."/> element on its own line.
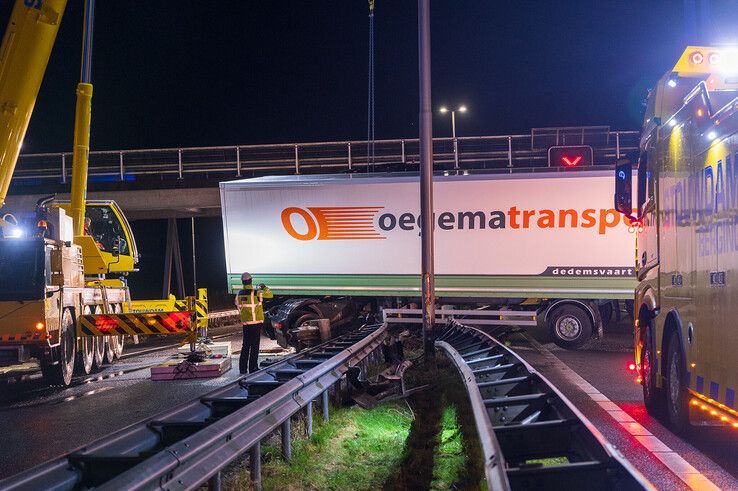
<point x="173" y="73"/>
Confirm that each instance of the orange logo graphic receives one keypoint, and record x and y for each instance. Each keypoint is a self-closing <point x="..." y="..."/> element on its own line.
<point x="333" y="222"/>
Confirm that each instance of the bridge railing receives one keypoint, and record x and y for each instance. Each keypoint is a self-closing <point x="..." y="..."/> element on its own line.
<point x="504" y="153"/>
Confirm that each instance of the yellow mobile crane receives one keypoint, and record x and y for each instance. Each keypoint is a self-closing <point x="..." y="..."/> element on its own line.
<point x="63" y="294"/>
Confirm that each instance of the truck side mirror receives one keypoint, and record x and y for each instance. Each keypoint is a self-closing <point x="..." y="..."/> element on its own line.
<point x="624" y="187"/>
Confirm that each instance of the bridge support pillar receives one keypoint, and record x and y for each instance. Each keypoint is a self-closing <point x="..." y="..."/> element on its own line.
<point x="172" y="254"/>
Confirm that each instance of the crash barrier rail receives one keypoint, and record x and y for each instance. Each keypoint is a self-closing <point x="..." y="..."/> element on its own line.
<point x="474" y="317"/>
<point x="506" y="153"/>
<point x="190" y="444"/>
<point x="531" y="436"/>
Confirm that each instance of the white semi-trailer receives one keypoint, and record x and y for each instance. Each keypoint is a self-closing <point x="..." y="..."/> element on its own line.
<point x="545" y="241"/>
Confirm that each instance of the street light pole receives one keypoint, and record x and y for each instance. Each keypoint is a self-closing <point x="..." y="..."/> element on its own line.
<point x="426" y="178"/>
<point x="453" y="135"/>
<point x="461" y="109"/>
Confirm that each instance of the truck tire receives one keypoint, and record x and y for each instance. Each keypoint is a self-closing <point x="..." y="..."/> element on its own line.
<point x="109" y="350"/>
<point x="570" y="326"/>
<point x="677" y="398"/>
<point x="629" y="308"/>
<point x="606" y="313"/>
<point x="85" y="355"/>
<point x="98" y="348"/>
<point x="59" y="371"/>
<point x="653" y="397"/>
<point x="85" y="351"/>
<point x="268" y="327"/>
<point x="117" y="341"/>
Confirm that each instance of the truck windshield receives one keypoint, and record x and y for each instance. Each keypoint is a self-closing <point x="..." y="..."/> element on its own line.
<point x="104" y="227"/>
<point x="22" y="269"/>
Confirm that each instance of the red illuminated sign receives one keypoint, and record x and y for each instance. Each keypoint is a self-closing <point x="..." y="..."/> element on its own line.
<point x="571" y="161"/>
<point x="570" y="156"/>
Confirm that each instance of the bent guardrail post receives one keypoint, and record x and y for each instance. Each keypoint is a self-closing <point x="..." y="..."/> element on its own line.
<point x="287" y="439"/>
<point x="255" y="465"/>
<point x="309" y="419"/>
<point x="324" y="399"/>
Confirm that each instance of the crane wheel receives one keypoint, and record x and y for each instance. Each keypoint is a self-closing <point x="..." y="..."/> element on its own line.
<point x="59" y="370"/>
<point x="117" y="341"/>
<point x="85" y="352"/>
<point x="98" y="347"/>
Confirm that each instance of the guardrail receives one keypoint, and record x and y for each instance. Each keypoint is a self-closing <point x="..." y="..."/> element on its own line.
<point x="531" y="436"/>
<point x="506" y="153"/>
<point x="190" y="444"/>
<point x="474" y="317"/>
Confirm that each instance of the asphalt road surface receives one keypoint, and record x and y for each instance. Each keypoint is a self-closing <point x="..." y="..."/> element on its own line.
<point x="595" y="378"/>
<point x="39" y="423"/>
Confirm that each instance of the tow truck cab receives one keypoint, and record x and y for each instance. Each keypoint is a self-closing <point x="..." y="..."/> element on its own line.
<point x="686" y="206"/>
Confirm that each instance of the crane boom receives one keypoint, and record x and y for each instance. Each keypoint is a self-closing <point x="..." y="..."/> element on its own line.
<point x="82" y="116"/>
<point x="24" y="54"/>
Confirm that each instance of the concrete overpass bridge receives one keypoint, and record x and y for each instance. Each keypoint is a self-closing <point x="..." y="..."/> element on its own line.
<point x="151" y="184"/>
<point x="158" y="188"/>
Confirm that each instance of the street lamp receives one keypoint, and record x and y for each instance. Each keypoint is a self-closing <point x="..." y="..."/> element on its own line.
<point x="461" y="109"/>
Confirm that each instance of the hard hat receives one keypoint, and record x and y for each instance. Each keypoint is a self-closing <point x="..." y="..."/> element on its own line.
<point x="246" y="278"/>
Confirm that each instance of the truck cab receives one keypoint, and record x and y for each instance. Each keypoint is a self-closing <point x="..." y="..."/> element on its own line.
<point x="686" y="208"/>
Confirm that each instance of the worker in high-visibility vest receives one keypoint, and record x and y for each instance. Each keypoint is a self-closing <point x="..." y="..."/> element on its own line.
<point x="250" y="304"/>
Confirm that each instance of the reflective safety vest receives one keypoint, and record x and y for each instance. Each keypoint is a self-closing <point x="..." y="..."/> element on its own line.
<point x="250" y="304"/>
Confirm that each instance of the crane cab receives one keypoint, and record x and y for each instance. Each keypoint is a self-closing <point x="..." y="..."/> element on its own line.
<point x="108" y="245"/>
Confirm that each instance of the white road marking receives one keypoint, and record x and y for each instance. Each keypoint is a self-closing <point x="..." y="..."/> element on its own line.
<point x="693" y="478"/>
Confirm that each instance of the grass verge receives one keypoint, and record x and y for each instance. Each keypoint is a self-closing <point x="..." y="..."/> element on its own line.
<point x="356" y="449"/>
<point x="450" y="459"/>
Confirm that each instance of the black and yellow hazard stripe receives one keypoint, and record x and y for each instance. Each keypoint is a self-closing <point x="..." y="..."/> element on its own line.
<point x="133" y="324"/>
<point x="201" y="309"/>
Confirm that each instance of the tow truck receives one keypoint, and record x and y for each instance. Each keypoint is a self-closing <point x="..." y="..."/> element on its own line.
<point x="686" y="208"/>
<point x="64" y="300"/>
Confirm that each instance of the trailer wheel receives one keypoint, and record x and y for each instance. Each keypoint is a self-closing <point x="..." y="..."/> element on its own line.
<point x="268" y="327"/>
<point x="59" y="372"/>
<point x="570" y="326"/>
<point x="302" y="319"/>
<point x="677" y="400"/>
<point x="606" y="313"/>
<point x="653" y="398"/>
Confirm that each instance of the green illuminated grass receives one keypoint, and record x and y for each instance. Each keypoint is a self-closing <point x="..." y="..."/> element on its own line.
<point x="356" y="449"/>
<point x="549" y="461"/>
<point x="450" y="459"/>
